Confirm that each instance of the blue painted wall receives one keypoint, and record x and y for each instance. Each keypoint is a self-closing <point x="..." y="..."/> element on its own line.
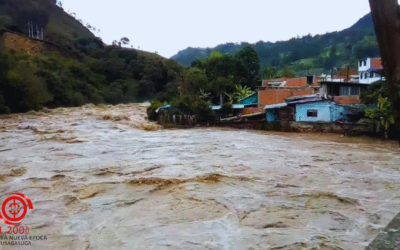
<point x="328" y="111"/>
<point x="272" y="115"/>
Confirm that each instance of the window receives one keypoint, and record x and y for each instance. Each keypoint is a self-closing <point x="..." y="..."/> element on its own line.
<point x="344" y="91"/>
<point x="371" y="75"/>
<point x="361" y="76"/>
<point x="361" y="63"/>
<point x="312" y="113"/>
<point x="366" y="75"/>
<point x="365" y="62"/>
<point x="349" y="91"/>
<point x="355" y="91"/>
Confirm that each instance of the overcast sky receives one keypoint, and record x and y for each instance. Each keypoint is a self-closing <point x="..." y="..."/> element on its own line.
<point x="168" y="26"/>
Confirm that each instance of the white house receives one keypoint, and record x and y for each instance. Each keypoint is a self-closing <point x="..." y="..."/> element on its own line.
<point x="369" y="70"/>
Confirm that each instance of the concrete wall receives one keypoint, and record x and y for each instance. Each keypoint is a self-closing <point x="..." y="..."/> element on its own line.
<point x="275" y="96"/>
<point x="323" y="109"/>
<point x="347" y="99"/>
<point x="348" y="129"/>
<point x="367" y="79"/>
<point x="252" y="110"/>
<point x="327" y="111"/>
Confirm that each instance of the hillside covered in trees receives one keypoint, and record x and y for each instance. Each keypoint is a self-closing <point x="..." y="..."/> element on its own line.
<point x="303" y="54"/>
<point x="82" y="69"/>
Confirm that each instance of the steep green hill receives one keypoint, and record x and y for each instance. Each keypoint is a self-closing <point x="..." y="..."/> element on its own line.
<point x="57" y="25"/>
<point x="308" y="52"/>
<point x="83" y="70"/>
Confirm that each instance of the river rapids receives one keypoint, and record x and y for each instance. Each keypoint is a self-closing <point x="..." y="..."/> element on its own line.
<point x="102" y="177"/>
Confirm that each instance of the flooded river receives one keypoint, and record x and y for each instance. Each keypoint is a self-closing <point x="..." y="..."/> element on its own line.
<point x="99" y="180"/>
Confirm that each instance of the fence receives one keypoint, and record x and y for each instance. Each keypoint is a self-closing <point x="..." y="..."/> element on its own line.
<point x="179" y="120"/>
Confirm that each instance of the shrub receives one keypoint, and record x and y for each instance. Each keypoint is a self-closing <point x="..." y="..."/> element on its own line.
<point x="29" y="89"/>
<point x="3" y="108"/>
<point x="151" y="111"/>
<point x="193" y="105"/>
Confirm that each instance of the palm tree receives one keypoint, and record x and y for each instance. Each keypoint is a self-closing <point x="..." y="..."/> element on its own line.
<point x="383" y="114"/>
<point x="242" y="92"/>
<point x="204" y="95"/>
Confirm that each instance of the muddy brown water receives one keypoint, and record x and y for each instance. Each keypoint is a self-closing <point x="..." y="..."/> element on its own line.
<point x="98" y="180"/>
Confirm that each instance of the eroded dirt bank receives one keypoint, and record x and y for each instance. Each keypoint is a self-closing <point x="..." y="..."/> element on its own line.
<point x="99" y="181"/>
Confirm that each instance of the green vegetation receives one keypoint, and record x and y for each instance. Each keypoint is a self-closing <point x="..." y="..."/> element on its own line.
<point x="376" y="89"/>
<point x="303" y="55"/>
<point x="378" y="94"/>
<point x="242" y="92"/>
<point x="108" y="74"/>
<point x="219" y="79"/>
<point x="383" y="115"/>
<point x="83" y="71"/>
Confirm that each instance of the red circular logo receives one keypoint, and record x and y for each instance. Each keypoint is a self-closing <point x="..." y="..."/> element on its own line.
<point x="14" y="208"/>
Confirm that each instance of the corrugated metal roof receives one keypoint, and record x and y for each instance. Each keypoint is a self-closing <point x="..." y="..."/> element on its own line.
<point x="238" y="106"/>
<point x="247" y="96"/>
<point x="166" y="107"/>
<point x="315" y="99"/>
<point x="306" y="99"/>
<point x="234" y="106"/>
<point x="250" y="100"/>
<point x="301" y="97"/>
<point x="276" y="106"/>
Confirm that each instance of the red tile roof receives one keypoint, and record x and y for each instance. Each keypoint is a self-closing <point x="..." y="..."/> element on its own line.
<point x="376" y="63"/>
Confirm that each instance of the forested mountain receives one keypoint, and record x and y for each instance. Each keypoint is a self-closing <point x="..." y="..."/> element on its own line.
<point x="81" y="69"/>
<point x="304" y="53"/>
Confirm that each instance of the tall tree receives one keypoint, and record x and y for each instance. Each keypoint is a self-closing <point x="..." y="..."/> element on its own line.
<point x="386" y="16"/>
<point x="251" y="64"/>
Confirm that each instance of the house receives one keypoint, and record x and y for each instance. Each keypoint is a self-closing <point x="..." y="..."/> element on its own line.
<point x="345" y="87"/>
<point x="251" y="105"/>
<point x="317" y="109"/>
<point x="343" y="92"/>
<point x="370" y="70"/>
<point x="275" y="91"/>
<point x="279" y="112"/>
<point x="310" y="108"/>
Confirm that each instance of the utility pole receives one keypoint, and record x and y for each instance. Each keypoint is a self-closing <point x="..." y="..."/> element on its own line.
<point x="31" y="29"/>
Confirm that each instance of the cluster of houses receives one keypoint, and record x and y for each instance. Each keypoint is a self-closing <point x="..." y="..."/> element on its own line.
<point x="324" y="98"/>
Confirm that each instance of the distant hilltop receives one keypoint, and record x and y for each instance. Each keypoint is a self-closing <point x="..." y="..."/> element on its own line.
<point x="304" y="53"/>
<point x="46" y="15"/>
